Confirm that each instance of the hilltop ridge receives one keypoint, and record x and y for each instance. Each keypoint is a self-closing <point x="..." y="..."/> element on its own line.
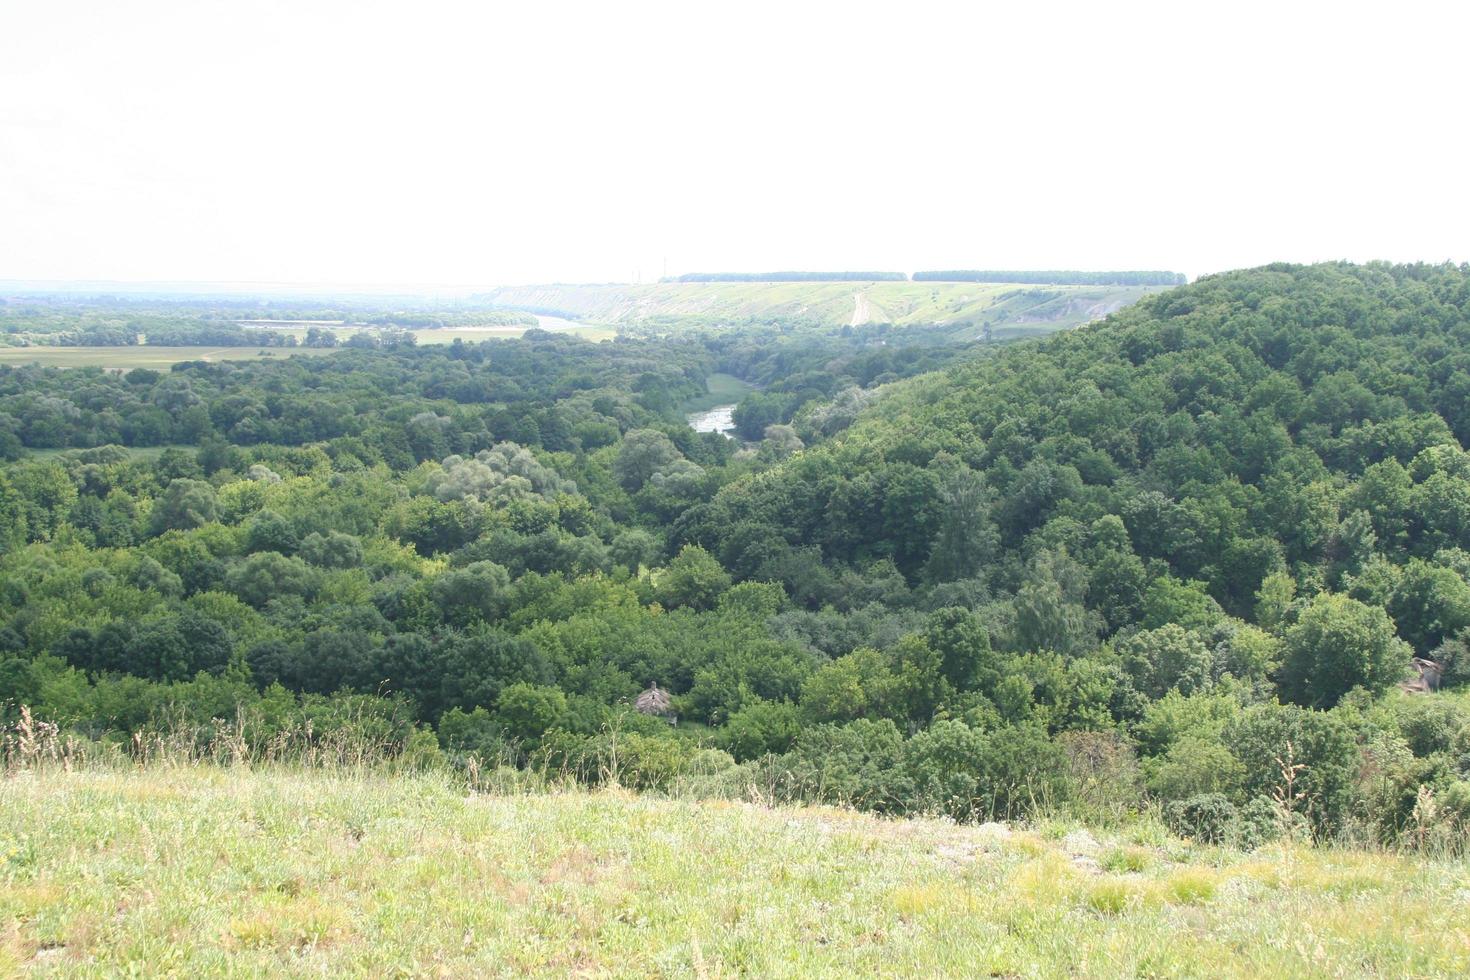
<point x="1018" y="309"/>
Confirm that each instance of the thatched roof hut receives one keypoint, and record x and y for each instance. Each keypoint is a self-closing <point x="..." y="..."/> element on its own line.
<point x="653" y="702"/>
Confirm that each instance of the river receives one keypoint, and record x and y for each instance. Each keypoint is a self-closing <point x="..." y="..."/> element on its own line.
<point x="718" y="419"/>
<point x="556" y="323"/>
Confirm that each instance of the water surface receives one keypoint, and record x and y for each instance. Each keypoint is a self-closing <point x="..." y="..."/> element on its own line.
<point x="718" y="419"/>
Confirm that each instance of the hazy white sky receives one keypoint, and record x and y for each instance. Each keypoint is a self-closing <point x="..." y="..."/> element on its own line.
<point x="488" y="142"/>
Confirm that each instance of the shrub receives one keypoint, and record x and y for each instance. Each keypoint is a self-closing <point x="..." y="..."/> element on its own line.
<point x="760" y="728"/>
<point x="1194" y="766"/>
<point x="1260" y="823"/>
<point x="1307" y="759"/>
<point x="1208" y="817"/>
<point x="856" y="764"/>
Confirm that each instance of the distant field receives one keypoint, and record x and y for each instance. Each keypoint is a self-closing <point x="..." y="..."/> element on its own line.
<point x="1022" y="308"/>
<point x="148" y="356"/>
<point x="144" y="356"/>
<point x="199" y="871"/>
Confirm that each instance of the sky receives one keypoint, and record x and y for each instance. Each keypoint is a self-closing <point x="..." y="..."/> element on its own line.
<point x="428" y="142"/>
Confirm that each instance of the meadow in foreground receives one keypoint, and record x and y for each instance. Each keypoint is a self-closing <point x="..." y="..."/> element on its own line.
<point x="199" y="870"/>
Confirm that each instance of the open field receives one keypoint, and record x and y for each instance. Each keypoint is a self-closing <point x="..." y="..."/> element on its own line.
<point x="724" y="389"/>
<point x="148" y="356"/>
<point x="201" y="871"/>
<point x="144" y="356"/>
<point x="832" y="303"/>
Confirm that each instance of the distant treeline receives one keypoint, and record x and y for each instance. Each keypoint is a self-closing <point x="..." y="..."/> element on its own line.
<point x="789" y="277"/>
<point x="1054" y="278"/>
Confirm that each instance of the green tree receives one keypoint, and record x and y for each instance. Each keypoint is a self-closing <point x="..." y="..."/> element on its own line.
<point x="1169" y="658"/>
<point x="1303" y="758"/>
<point x="475" y="593"/>
<point x="528" y="711"/>
<point x="1050" y="609"/>
<point x="946" y="765"/>
<point x="267" y="575"/>
<point x="694" y="579"/>
<point x="1274" y="598"/>
<point x="46" y="494"/>
<point x="185" y="504"/>
<point x="1194" y="765"/>
<point x="1430" y="604"/>
<point x="1187" y="604"/>
<point x="967" y="537"/>
<point x="643" y="453"/>
<point x="962" y="642"/>
<point x="857" y="685"/>
<point x="1336" y="644"/>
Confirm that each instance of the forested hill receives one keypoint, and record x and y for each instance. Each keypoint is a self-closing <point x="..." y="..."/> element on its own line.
<point x="1258" y="448"/>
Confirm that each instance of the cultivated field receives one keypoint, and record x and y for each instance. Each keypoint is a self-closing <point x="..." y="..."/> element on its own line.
<point x="143" y="355"/>
<point x="196" y="871"/>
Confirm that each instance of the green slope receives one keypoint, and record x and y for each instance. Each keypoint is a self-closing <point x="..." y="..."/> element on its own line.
<point x="1017" y="307"/>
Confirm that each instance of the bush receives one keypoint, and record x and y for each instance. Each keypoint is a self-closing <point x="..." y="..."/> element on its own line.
<point x="1260" y="823"/>
<point x="1320" y="748"/>
<point x="760" y="728"/>
<point x="472" y="733"/>
<point x="1194" y="766"/>
<point x="1209" y="817"/>
<point x="856" y="764"/>
<point x="946" y="767"/>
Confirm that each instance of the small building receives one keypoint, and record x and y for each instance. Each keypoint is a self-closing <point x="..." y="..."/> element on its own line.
<point x="656" y="702"/>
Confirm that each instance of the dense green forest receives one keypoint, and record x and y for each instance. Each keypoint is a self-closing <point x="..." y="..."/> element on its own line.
<point x="1056" y="278"/>
<point x="1181" y="557"/>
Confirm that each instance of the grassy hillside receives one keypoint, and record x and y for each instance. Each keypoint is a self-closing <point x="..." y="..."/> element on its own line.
<point x="201" y="871"/>
<point x="1020" y="309"/>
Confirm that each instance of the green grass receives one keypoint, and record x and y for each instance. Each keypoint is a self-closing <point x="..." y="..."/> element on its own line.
<point x="200" y="871"/>
<point x="724" y="389"/>
<point x="144" y="356"/>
